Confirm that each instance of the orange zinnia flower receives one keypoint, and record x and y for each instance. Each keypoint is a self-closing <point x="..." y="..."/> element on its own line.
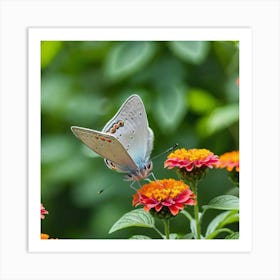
<point x="229" y="161"/>
<point x="44" y="236"/>
<point x="190" y="159"/>
<point x="164" y="194"/>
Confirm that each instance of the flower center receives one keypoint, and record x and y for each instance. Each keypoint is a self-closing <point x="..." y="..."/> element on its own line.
<point x="192" y="154"/>
<point x="163" y="189"/>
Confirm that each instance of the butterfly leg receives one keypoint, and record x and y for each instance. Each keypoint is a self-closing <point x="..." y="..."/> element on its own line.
<point x="131" y="185"/>
<point x="149" y="180"/>
<point x="153" y="175"/>
<point x="139" y="195"/>
<point x="155" y="179"/>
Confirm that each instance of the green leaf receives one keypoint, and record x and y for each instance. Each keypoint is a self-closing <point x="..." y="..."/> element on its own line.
<point x="170" y="107"/>
<point x="167" y="66"/>
<point x="219" y="119"/>
<point x="234" y="218"/>
<point x="227" y="54"/>
<point x="223" y="202"/>
<point x="49" y="49"/>
<point x="93" y="51"/>
<point x="189" y="235"/>
<point x="214" y="224"/>
<point x="187" y="215"/>
<point x="221" y="220"/>
<point x="140" y="237"/>
<point x="201" y="101"/>
<point x="232" y="90"/>
<point x="193" y="52"/>
<point x="134" y="218"/>
<point x="173" y="236"/>
<point x="234" y="235"/>
<point x="126" y="58"/>
<point x="193" y="228"/>
<point x="218" y="231"/>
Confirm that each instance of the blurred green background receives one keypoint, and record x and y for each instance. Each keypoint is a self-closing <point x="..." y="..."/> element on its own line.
<point x="191" y="95"/>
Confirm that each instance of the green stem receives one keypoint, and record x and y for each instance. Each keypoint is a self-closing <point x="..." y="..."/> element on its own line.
<point x="166" y="228"/>
<point x="196" y="211"/>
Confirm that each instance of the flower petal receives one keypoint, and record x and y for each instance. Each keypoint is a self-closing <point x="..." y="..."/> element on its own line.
<point x="158" y="207"/>
<point x="169" y="193"/>
<point x="184" y="196"/>
<point x="174" y="210"/>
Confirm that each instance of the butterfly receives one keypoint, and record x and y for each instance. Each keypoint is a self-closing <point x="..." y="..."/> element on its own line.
<point x="125" y="142"/>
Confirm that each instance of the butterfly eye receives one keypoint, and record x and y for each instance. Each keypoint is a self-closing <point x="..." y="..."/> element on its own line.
<point x="147" y="167"/>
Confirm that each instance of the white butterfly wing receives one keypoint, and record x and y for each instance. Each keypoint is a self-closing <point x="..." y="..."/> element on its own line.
<point x="107" y="146"/>
<point x="130" y="127"/>
<point x="150" y="143"/>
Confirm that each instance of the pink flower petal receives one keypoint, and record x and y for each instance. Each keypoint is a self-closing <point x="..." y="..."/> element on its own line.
<point x="183" y="194"/>
<point x="180" y="206"/>
<point x="166" y="203"/>
<point x="190" y="202"/>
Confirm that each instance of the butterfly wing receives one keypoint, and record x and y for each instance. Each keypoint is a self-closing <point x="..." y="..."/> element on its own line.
<point x="108" y="147"/>
<point x="130" y="127"/>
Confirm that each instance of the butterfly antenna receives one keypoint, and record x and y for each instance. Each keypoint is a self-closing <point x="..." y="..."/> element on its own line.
<point x="167" y="151"/>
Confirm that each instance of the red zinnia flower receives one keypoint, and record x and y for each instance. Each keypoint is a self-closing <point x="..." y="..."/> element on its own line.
<point x="190" y="159"/>
<point x="164" y="193"/>
<point x="43" y="211"/>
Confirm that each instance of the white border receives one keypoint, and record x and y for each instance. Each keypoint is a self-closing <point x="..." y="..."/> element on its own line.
<point x="243" y="35"/>
<point x="262" y="16"/>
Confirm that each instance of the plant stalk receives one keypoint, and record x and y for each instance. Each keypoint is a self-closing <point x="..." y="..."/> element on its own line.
<point x="166" y="228"/>
<point x="196" y="211"/>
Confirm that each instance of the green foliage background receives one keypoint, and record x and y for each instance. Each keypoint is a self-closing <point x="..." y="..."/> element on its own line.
<point x="191" y="96"/>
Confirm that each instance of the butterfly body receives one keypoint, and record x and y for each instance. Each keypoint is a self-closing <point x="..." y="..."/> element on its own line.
<point x="125" y="142"/>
